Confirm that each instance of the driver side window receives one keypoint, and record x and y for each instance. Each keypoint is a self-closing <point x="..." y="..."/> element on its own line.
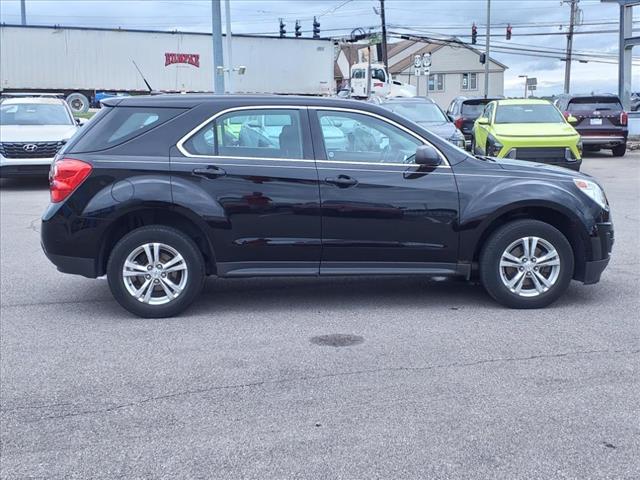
<point x="355" y="137"/>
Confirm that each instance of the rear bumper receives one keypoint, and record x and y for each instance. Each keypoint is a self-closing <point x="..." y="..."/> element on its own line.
<point x="74" y="265"/>
<point x="604" y="140"/>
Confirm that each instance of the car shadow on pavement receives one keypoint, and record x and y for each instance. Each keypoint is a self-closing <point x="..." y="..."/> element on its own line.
<point x="350" y="293"/>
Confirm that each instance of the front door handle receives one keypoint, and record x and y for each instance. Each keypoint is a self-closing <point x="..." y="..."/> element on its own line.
<point x="342" y="181"/>
<point x="210" y="171"/>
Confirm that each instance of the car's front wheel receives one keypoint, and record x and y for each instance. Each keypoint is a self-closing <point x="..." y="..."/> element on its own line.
<point x="155" y="271"/>
<point x="526" y="264"/>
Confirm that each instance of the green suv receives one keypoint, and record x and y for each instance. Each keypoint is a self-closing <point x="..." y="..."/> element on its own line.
<point x="532" y="130"/>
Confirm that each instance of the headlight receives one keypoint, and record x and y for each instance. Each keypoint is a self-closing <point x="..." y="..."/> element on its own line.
<point x="458" y="140"/>
<point x="493" y="146"/>
<point x="593" y="191"/>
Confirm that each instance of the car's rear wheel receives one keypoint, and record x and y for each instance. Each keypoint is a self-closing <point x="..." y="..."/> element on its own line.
<point x="155" y="271"/>
<point x="526" y="264"/>
<point x="619" y="150"/>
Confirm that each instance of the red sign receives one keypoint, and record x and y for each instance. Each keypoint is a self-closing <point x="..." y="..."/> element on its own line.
<point x="188" y="58"/>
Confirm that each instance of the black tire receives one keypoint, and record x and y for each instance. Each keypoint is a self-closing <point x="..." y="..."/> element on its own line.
<point x="501" y="239"/>
<point x="78" y="103"/>
<point x="174" y="239"/>
<point x="619" y="150"/>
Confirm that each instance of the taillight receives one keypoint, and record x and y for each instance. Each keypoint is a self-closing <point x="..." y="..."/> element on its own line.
<point x="458" y="123"/>
<point x="624" y="118"/>
<point x="66" y="175"/>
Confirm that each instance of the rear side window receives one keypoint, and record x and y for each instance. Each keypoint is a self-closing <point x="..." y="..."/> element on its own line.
<point x="594" y="103"/>
<point x="250" y="134"/>
<point x="122" y="124"/>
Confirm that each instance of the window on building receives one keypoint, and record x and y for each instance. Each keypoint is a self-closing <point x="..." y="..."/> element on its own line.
<point x="436" y="82"/>
<point x="469" y="81"/>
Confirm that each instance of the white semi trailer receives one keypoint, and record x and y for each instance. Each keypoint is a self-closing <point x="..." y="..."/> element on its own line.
<point x="78" y="62"/>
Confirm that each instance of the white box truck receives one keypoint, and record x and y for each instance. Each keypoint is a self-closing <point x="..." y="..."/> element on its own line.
<point x="78" y="62"/>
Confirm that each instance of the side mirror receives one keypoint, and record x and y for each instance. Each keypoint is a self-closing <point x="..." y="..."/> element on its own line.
<point x="483" y="121"/>
<point x="81" y="121"/>
<point x="572" y="120"/>
<point x="427" y="155"/>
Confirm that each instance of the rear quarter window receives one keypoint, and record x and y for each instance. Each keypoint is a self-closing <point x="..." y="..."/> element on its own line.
<point x="121" y="124"/>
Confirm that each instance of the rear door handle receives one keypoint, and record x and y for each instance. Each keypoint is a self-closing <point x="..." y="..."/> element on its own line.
<point x="210" y="171"/>
<point x="342" y="181"/>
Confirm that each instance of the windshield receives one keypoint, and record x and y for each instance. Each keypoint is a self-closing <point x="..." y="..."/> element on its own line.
<point x="418" y="112"/>
<point x="539" y="113"/>
<point x="593" y="104"/>
<point x="34" y="114"/>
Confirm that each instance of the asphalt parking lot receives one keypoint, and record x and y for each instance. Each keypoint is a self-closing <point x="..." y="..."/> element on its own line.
<point x="440" y="381"/>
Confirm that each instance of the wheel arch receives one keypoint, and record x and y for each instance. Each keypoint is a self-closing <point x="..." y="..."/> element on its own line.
<point x="563" y="219"/>
<point x="167" y="215"/>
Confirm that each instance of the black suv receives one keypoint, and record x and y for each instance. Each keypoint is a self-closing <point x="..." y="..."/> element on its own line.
<point x="159" y="192"/>
<point x="464" y="111"/>
<point x="600" y="120"/>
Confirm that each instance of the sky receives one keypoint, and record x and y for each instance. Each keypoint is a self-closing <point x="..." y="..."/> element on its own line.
<point x="547" y="18"/>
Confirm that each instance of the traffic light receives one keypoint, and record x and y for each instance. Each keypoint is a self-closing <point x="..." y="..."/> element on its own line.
<point x="283" y="32"/>
<point x="316" y="28"/>
<point x="474" y="34"/>
<point x="508" y="32"/>
<point x="483" y="58"/>
<point x="298" y="29"/>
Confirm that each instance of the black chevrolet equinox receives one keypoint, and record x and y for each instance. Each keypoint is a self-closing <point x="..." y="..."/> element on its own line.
<point x="158" y="192"/>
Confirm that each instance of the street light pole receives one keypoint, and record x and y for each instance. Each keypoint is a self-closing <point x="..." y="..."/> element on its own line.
<point x="216" y="38"/>
<point x="487" y="47"/>
<point x="23" y="12"/>
<point x="227" y="14"/>
<point x="526" y="83"/>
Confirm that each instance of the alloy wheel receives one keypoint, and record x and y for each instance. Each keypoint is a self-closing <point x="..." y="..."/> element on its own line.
<point x="530" y="266"/>
<point x="155" y="273"/>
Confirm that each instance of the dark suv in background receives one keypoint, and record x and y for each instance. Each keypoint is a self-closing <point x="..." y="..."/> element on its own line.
<point x="601" y="121"/>
<point x="464" y="111"/>
<point x="158" y="192"/>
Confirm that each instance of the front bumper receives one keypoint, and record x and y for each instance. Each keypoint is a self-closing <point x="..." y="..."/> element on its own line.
<point x="19" y="167"/>
<point x="601" y="247"/>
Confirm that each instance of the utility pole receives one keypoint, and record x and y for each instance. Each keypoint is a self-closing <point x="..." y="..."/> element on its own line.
<point x="567" y="66"/>
<point x="216" y="38"/>
<point x="385" y="59"/>
<point x="23" y="12"/>
<point x="227" y="14"/>
<point x="487" y="48"/>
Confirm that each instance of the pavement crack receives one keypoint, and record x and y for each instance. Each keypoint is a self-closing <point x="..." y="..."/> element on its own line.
<point x="306" y="378"/>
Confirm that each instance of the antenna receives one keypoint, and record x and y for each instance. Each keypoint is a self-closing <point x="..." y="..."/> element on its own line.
<point x="144" y="79"/>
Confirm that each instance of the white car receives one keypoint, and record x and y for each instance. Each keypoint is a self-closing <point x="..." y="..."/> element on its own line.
<point x="32" y="131"/>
